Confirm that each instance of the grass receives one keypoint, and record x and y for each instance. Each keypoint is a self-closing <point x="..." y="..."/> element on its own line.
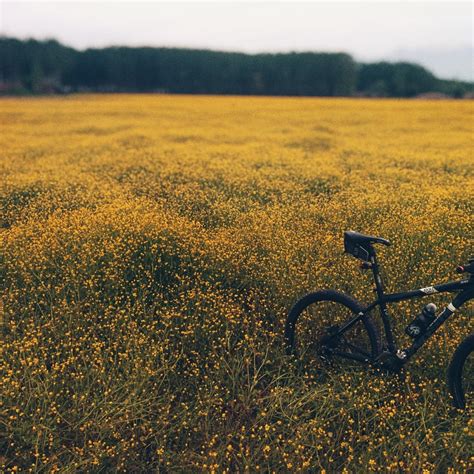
<point x="151" y="247"/>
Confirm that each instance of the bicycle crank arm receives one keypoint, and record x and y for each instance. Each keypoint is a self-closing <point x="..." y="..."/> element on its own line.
<point x="356" y="357"/>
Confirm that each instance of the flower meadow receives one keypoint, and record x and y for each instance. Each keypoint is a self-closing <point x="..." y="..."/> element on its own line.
<point x="152" y="245"/>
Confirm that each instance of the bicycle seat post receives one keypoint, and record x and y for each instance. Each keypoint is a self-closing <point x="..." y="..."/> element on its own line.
<point x="383" y="307"/>
<point x="376" y="272"/>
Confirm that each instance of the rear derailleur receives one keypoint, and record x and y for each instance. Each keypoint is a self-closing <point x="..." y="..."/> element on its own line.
<point x="329" y="342"/>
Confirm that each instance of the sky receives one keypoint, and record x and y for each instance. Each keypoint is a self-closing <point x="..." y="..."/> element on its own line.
<point x="438" y="34"/>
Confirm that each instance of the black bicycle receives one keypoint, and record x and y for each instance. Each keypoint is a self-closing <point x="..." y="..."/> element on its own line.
<point x="336" y="328"/>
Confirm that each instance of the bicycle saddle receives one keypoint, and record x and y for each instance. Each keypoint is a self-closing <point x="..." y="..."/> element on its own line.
<point x="361" y="239"/>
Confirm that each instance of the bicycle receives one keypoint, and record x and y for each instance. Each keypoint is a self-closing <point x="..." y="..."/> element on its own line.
<point x="346" y="331"/>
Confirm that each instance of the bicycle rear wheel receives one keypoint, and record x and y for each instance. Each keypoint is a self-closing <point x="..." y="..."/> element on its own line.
<point x="312" y="327"/>
<point x="461" y="374"/>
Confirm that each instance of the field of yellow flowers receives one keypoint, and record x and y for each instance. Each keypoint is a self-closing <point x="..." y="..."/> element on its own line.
<point x="151" y="247"/>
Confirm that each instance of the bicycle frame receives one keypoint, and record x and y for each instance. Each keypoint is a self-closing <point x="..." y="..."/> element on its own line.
<point x="465" y="292"/>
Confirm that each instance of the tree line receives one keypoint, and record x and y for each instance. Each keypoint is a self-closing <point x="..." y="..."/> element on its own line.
<point x="39" y="67"/>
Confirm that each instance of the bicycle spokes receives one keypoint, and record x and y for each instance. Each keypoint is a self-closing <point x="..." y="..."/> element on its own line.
<point x="320" y="338"/>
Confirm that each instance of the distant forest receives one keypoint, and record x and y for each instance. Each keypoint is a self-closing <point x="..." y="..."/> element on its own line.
<point x="48" y="67"/>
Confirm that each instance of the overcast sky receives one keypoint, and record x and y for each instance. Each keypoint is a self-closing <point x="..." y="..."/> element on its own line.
<point x="438" y="34"/>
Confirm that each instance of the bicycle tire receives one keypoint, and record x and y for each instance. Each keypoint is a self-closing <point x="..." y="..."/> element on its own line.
<point x="456" y="377"/>
<point x="352" y="307"/>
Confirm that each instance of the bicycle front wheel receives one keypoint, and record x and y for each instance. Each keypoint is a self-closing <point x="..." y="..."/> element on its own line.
<point x="461" y="374"/>
<point x="312" y="330"/>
